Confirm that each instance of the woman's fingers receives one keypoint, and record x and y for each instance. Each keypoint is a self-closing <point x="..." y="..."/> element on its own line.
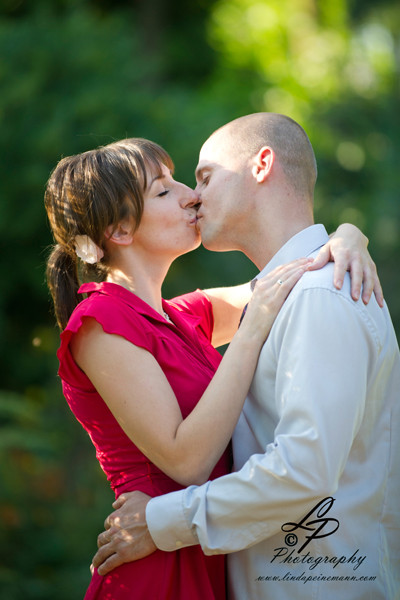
<point x="282" y="272"/>
<point x="269" y="295"/>
<point x="322" y="258"/>
<point x="287" y="280"/>
<point x="363" y="273"/>
<point x="377" y="289"/>
<point x="371" y="284"/>
<point x="271" y="290"/>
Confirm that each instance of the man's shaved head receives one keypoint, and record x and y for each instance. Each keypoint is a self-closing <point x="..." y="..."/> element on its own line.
<point x="287" y="139"/>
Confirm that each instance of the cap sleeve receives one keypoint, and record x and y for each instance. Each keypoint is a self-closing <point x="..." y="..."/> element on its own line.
<point x="115" y="318"/>
<point x="197" y="303"/>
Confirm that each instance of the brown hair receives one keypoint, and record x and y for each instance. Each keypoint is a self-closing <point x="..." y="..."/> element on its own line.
<point x="86" y="194"/>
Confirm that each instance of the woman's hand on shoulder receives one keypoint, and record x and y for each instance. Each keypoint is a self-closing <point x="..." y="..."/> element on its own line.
<point x="348" y="249"/>
<point x="269" y="295"/>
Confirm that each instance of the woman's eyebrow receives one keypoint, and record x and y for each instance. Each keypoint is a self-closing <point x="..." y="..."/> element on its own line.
<point x="162" y="176"/>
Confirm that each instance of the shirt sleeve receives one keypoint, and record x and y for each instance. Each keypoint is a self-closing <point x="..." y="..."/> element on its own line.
<point x="322" y="343"/>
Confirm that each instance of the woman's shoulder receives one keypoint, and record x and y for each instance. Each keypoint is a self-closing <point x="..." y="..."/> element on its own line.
<point x="116" y="309"/>
<point x="101" y="304"/>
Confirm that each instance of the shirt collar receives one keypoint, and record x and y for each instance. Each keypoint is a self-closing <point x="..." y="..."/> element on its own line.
<point x="300" y="245"/>
<point x="116" y="290"/>
<point x="140" y="306"/>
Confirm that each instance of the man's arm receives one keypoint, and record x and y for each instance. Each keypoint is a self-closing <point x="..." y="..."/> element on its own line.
<point x="323" y="347"/>
<point x="321" y="343"/>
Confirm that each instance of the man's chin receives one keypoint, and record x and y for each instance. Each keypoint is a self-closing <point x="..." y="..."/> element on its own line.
<point x="213" y="246"/>
<point x="209" y="239"/>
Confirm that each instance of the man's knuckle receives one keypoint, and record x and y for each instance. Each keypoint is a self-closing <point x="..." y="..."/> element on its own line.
<point x="111" y="563"/>
<point x="340" y="260"/>
<point x="124" y="553"/>
<point x="98" y="558"/>
<point x="95" y="560"/>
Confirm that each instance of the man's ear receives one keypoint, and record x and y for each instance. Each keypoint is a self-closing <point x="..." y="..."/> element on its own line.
<point x="120" y="234"/>
<point x="263" y="162"/>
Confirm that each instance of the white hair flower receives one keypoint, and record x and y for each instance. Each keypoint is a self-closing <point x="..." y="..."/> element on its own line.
<point x="87" y="250"/>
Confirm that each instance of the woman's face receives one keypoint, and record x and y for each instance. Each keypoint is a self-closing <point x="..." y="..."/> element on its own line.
<point x="168" y="224"/>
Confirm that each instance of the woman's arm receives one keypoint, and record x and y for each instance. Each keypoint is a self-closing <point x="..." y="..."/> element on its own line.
<point x="134" y="387"/>
<point x="228" y="304"/>
<point x="347" y="248"/>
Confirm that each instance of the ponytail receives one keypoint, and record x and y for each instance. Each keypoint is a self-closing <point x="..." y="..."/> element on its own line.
<point x="63" y="282"/>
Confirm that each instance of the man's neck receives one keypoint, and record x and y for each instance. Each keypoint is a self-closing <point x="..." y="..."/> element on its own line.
<point x="267" y="241"/>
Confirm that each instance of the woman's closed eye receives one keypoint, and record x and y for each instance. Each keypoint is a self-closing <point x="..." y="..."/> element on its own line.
<point x="163" y="193"/>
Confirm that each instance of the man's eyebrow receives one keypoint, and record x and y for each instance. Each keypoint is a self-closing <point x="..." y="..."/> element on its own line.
<point x="199" y="171"/>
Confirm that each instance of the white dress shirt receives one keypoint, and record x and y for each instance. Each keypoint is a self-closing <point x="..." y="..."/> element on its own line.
<point x="312" y="510"/>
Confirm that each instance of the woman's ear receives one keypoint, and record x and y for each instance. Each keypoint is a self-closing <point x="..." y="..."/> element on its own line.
<point x="263" y="162"/>
<point x="121" y="234"/>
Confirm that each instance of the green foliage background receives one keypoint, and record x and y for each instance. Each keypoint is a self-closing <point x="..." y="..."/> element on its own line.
<point x="75" y="74"/>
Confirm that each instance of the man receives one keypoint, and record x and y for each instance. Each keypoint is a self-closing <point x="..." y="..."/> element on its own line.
<point x="312" y="509"/>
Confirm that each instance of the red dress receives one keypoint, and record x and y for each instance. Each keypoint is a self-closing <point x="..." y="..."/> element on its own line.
<point x="188" y="360"/>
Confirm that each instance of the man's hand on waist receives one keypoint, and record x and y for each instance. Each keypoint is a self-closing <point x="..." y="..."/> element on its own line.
<point x="126" y="536"/>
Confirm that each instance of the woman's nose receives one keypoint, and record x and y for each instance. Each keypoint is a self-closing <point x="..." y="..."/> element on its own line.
<point x="190" y="198"/>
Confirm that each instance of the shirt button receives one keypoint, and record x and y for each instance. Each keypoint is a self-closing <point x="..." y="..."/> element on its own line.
<point x="178" y="544"/>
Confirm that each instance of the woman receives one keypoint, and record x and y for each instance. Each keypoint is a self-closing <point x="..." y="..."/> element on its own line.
<point x="140" y="373"/>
